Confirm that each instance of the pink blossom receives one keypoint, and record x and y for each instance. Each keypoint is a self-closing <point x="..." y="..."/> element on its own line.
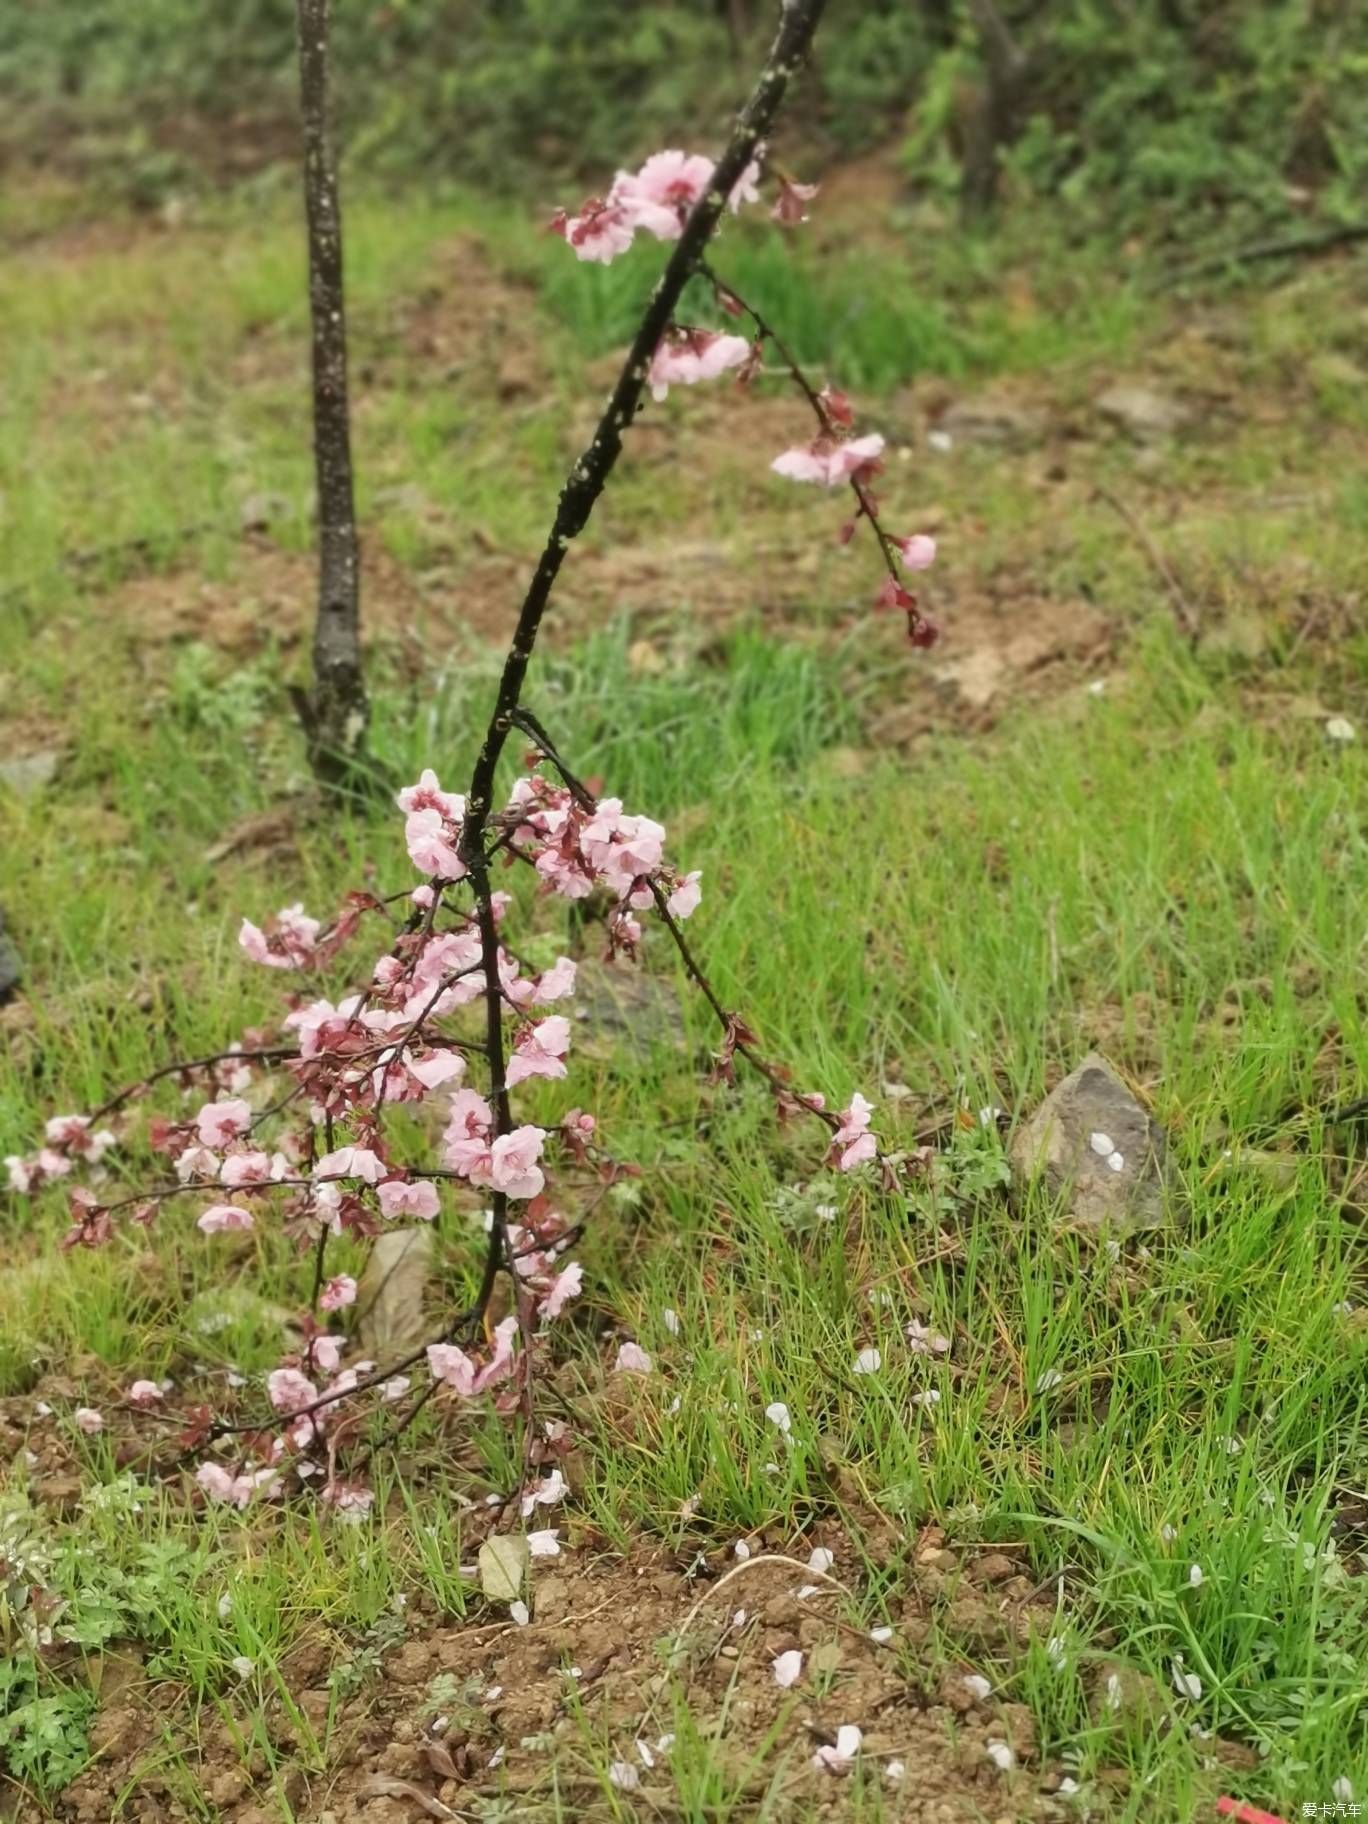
<point x="20" y="1173"/>
<point x="436" y="1068"/>
<point x="828" y="462"/>
<point x="746" y="189"/>
<point x="453" y="1366"/>
<point x="219" y="1122"/>
<point x="325" y="1351"/>
<point x="466" y="1140"/>
<point x="687" y="356"/>
<point x="144" y="1393"/>
<point x="88" y="1420"/>
<point x="348" y="1498"/>
<point x="246" y="1168"/>
<point x="289" y="943"/>
<point x="289" y="1390"/>
<point x="539" y="1051"/>
<point x="840" y="1756"/>
<point x="632" y="1359"/>
<point x="403" y="1197"/>
<point x="220" y="1485"/>
<point x="71" y="1134"/>
<point x="427" y="838"/>
<point x="853" y="1143"/>
<point x="220" y="1217"/>
<point x="556" y="983"/>
<point x="197" y="1162"/>
<point x="513" y="1167"/>
<point x="546" y="1493"/>
<point x="568" y="1284"/>
<point x="448" y="1363"/>
<point x="601" y="231"/>
<point x="686" y="896"/>
<point x="660" y="195"/>
<point x="323" y="1027"/>
<point x="428" y="795"/>
<point x="917" y="552"/>
<point x="339" y="1291"/>
<point x="351" y="1162"/>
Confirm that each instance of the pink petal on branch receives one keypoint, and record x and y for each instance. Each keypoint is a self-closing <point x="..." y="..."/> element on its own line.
<point x="684" y="900"/>
<point x="219" y="1122"/>
<point x="409" y="1197"/>
<point x="221" y="1218"/>
<point x="917" y="552"/>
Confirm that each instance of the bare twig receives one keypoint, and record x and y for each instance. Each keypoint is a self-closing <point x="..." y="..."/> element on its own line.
<point x="1183" y="611"/>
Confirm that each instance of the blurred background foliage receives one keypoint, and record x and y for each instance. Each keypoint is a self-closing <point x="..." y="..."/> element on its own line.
<point x="1168" y="116"/>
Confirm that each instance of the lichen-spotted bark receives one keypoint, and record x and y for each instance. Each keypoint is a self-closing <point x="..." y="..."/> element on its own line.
<point x="334" y="709"/>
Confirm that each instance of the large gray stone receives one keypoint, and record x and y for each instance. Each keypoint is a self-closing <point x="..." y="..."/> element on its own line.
<point x="1143" y="413"/>
<point x="1096" y="1147"/>
<point x="11" y="969"/>
<point x="391" y="1300"/>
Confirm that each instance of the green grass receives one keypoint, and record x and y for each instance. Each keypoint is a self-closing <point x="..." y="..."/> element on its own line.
<point x="1177" y="866"/>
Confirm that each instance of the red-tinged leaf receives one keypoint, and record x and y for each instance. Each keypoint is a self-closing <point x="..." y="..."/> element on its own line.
<point x="847" y="532"/>
<point x="729" y="302"/>
<point x="893" y="595"/>
<point x="921" y="631"/>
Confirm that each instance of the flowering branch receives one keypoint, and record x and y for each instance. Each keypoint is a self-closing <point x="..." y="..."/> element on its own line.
<point x="319" y="1151"/>
<point x="833" y="458"/>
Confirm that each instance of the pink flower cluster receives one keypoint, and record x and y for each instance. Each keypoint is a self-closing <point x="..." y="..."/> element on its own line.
<point x="288" y="942"/>
<point x="656" y="200"/>
<point x="686" y="356"/>
<point x="576" y="847"/>
<point x="69" y="1139"/>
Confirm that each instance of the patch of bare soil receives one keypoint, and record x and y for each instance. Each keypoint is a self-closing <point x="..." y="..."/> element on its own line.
<point x="460" y="1714"/>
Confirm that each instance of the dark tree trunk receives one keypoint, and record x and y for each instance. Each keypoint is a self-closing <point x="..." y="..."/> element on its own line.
<point x="993" y="117"/>
<point x="334" y="709"/>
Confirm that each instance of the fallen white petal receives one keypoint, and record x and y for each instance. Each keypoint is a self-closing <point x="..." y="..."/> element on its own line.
<point x="978" y="1684"/>
<point x="1001" y="1755"/>
<point x="788" y="1668"/>
<point x="868" y="1361"/>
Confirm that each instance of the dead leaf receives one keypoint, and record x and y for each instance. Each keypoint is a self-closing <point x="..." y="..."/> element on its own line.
<point x="503" y="1566"/>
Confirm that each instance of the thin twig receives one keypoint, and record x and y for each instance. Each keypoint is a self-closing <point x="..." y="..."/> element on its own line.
<point x="1183" y="612"/>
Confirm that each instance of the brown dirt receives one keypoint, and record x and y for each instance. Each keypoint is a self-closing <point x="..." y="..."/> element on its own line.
<point x="588" y="1681"/>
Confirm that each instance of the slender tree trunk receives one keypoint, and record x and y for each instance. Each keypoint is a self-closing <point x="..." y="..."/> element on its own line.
<point x="334" y="710"/>
<point x="994" y="116"/>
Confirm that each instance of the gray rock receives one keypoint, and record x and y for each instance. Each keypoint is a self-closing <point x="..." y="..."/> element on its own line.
<point x="1143" y="413"/>
<point x="392" y="1296"/>
<point x="11" y="969"/>
<point x="259" y="512"/>
<point x="999" y="423"/>
<point x="1097" y="1148"/>
<point x="27" y="774"/>
<point x="621" y="1010"/>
